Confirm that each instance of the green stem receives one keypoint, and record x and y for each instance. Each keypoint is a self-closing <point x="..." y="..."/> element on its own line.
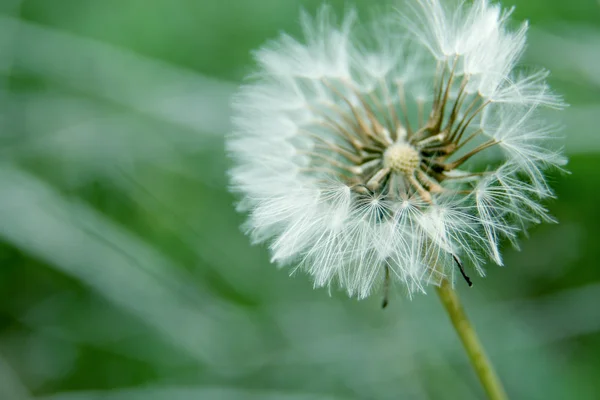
<point x="481" y="363"/>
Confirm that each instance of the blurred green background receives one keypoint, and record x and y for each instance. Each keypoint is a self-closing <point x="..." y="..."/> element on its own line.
<point x="124" y="275"/>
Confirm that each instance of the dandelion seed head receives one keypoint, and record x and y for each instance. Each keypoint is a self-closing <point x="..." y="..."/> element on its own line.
<point x="355" y="156"/>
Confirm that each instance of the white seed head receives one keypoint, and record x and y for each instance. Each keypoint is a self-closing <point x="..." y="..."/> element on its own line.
<point x="358" y="161"/>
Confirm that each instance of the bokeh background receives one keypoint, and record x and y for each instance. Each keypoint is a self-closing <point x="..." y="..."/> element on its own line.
<point x="124" y="275"/>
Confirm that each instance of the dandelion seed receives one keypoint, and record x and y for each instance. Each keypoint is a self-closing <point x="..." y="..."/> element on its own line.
<point x="364" y="160"/>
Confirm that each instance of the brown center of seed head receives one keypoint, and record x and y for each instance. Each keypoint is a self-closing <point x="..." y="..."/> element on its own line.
<point x="384" y="155"/>
<point x="401" y="158"/>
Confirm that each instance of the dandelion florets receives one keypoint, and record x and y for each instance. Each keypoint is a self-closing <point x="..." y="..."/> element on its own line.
<point x="398" y="155"/>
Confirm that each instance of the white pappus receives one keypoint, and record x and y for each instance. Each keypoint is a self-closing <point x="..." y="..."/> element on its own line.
<point x="394" y="151"/>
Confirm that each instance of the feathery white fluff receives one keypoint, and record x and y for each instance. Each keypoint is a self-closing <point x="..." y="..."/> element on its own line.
<point x="438" y="86"/>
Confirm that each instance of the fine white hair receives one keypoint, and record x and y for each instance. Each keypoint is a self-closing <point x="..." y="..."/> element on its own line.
<point x="361" y="158"/>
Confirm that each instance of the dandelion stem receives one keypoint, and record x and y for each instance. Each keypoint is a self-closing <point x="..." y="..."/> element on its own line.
<point x="481" y="363"/>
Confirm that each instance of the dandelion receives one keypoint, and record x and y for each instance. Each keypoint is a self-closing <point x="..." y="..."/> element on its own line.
<point x="398" y="153"/>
